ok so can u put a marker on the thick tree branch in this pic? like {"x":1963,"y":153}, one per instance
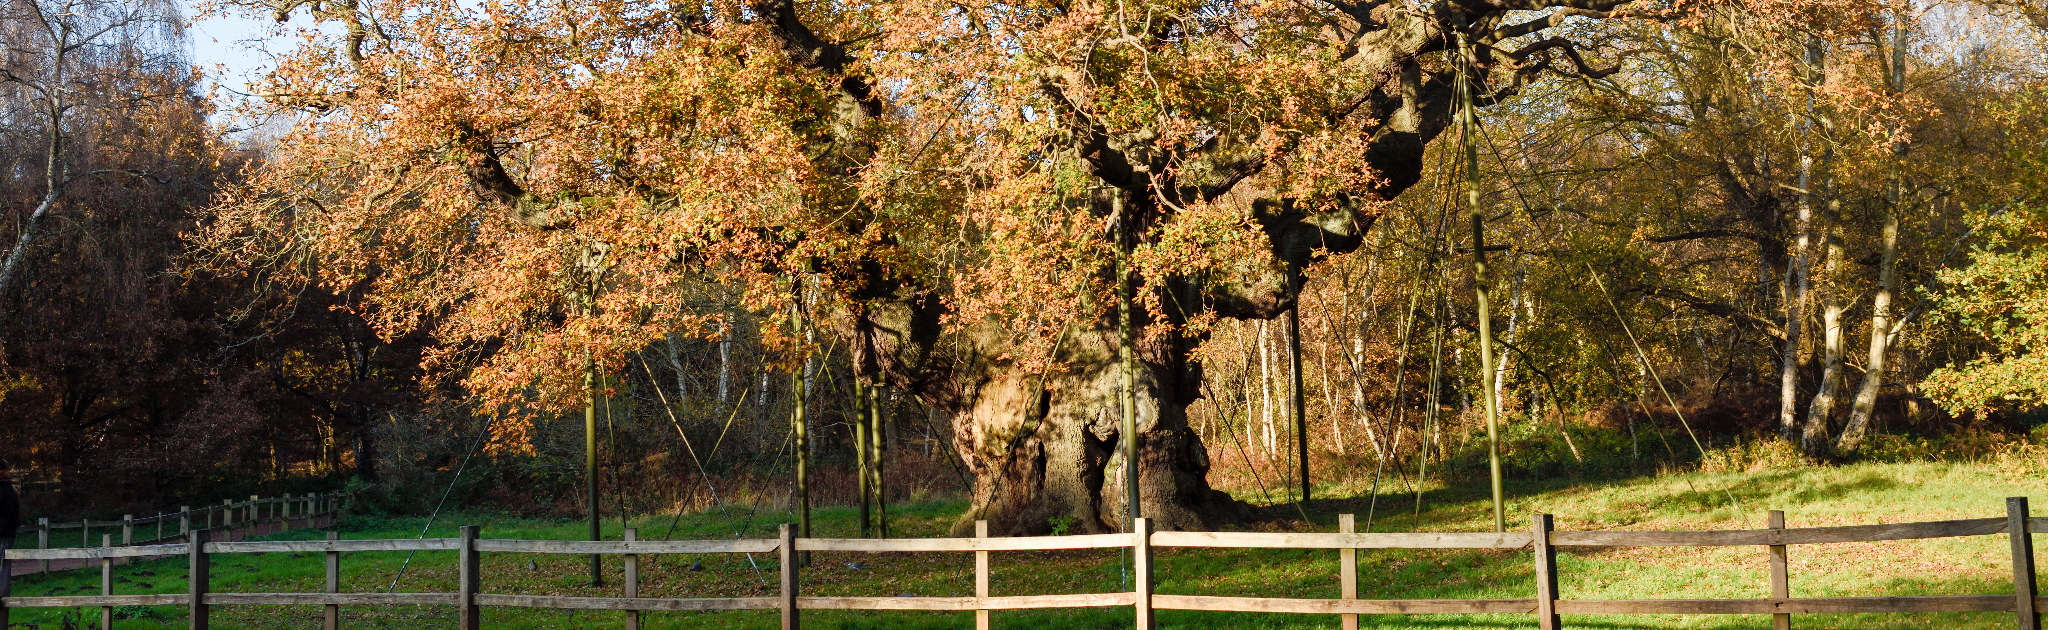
{"x":1718,"y":309}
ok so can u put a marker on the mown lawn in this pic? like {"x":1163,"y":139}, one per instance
{"x":1855,"y":494}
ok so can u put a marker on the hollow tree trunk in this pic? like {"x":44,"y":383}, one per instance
{"x":1047,"y":449}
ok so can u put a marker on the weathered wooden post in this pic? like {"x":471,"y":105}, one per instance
{"x":85,"y":533}
{"x":196,"y":579}
{"x":106,"y":583}
{"x":632,"y":579}
{"x":5,"y":587}
{"x":786,"y":553}
{"x":43,"y":541}
{"x":981,"y":575}
{"x":1141,"y":570}
{"x":1347,"y":569}
{"x":284,"y":503}
{"x":1781,"y":580}
{"x":127,"y":529}
{"x":331,"y":620}
{"x":1546,"y":573}
{"x":2024,"y":589}
{"x":466,"y":597}
{"x":184,"y":520}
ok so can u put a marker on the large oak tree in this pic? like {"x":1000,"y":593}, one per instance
{"x":534,"y":182}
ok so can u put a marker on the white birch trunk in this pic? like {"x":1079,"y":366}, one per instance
{"x":1881,"y":304}
{"x":1815,"y":437}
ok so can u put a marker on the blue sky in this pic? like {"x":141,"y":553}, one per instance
{"x":230,"y":49}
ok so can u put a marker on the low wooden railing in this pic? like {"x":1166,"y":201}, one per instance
{"x":1541,"y":540}
{"x":229,"y":514}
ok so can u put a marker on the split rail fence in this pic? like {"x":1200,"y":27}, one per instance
{"x":160,"y":528}
{"x":1541,"y":540}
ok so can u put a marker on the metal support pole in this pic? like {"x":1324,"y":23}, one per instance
{"x":1468,"y":124}
{"x":590,"y":472}
{"x":1127,"y":357}
{"x":1300,"y":408}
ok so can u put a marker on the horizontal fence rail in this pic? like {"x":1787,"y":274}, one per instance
{"x":150,"y":536}
{"x":1541,"y":541}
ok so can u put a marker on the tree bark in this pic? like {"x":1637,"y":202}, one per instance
{"x":1881,"y":304}
{"x":1046,"y":447}
{"x":1797,"y":293}
{"x":1880,"y":340}
{"x":1798,"y":288}
{"x":56,"y":166}
{"x":1265,"y":390}
{"x":1815,"y":437}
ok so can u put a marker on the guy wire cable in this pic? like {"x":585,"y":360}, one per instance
{"x":484,"y":433}
{"x":705,"y":473}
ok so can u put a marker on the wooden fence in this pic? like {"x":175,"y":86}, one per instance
{"x":1543,"y":543}
{"x":177,"y":525}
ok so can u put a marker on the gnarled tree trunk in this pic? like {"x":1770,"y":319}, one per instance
{"x":1047,"y":448}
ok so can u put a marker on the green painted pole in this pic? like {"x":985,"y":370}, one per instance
{"x":860,"y":453}
{"x":590,"y":470}
{"x":1128,"y":360}
{"x":1468,"y":120}
{"x":875,"y":460}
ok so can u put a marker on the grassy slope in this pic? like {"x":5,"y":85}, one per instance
{"x":1858,"y":494}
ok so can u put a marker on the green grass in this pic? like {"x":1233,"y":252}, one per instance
{"x":1856,"y":494}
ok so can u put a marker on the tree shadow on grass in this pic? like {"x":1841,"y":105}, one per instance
{"x":1463,"y":502}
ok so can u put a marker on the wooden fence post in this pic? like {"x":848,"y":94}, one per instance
{"x":85,"y":533}
{"x":159,"y":527}
{"x":1141,"y":570}
{"x":787,"y":553}
{"x":43,"y":540}
{"x":284,"y":504}
{"x":196,"y":579}
{"x":1347,"y":569}
{"x":331,"y":620}
{"x":5,"y":587}
{"x":981,"y":576}
{"x":2022,"y":564}
{"x":1546,"y":573}
{"x":467,"y":597}
{"x":1781,"y":580}
{"x":632,"y":579}
{"x":184,"y":520}
{"x":107,"y":583}
{"x":127,"y":529}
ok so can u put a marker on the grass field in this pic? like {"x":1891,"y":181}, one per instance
{"x":1854,"y":494}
